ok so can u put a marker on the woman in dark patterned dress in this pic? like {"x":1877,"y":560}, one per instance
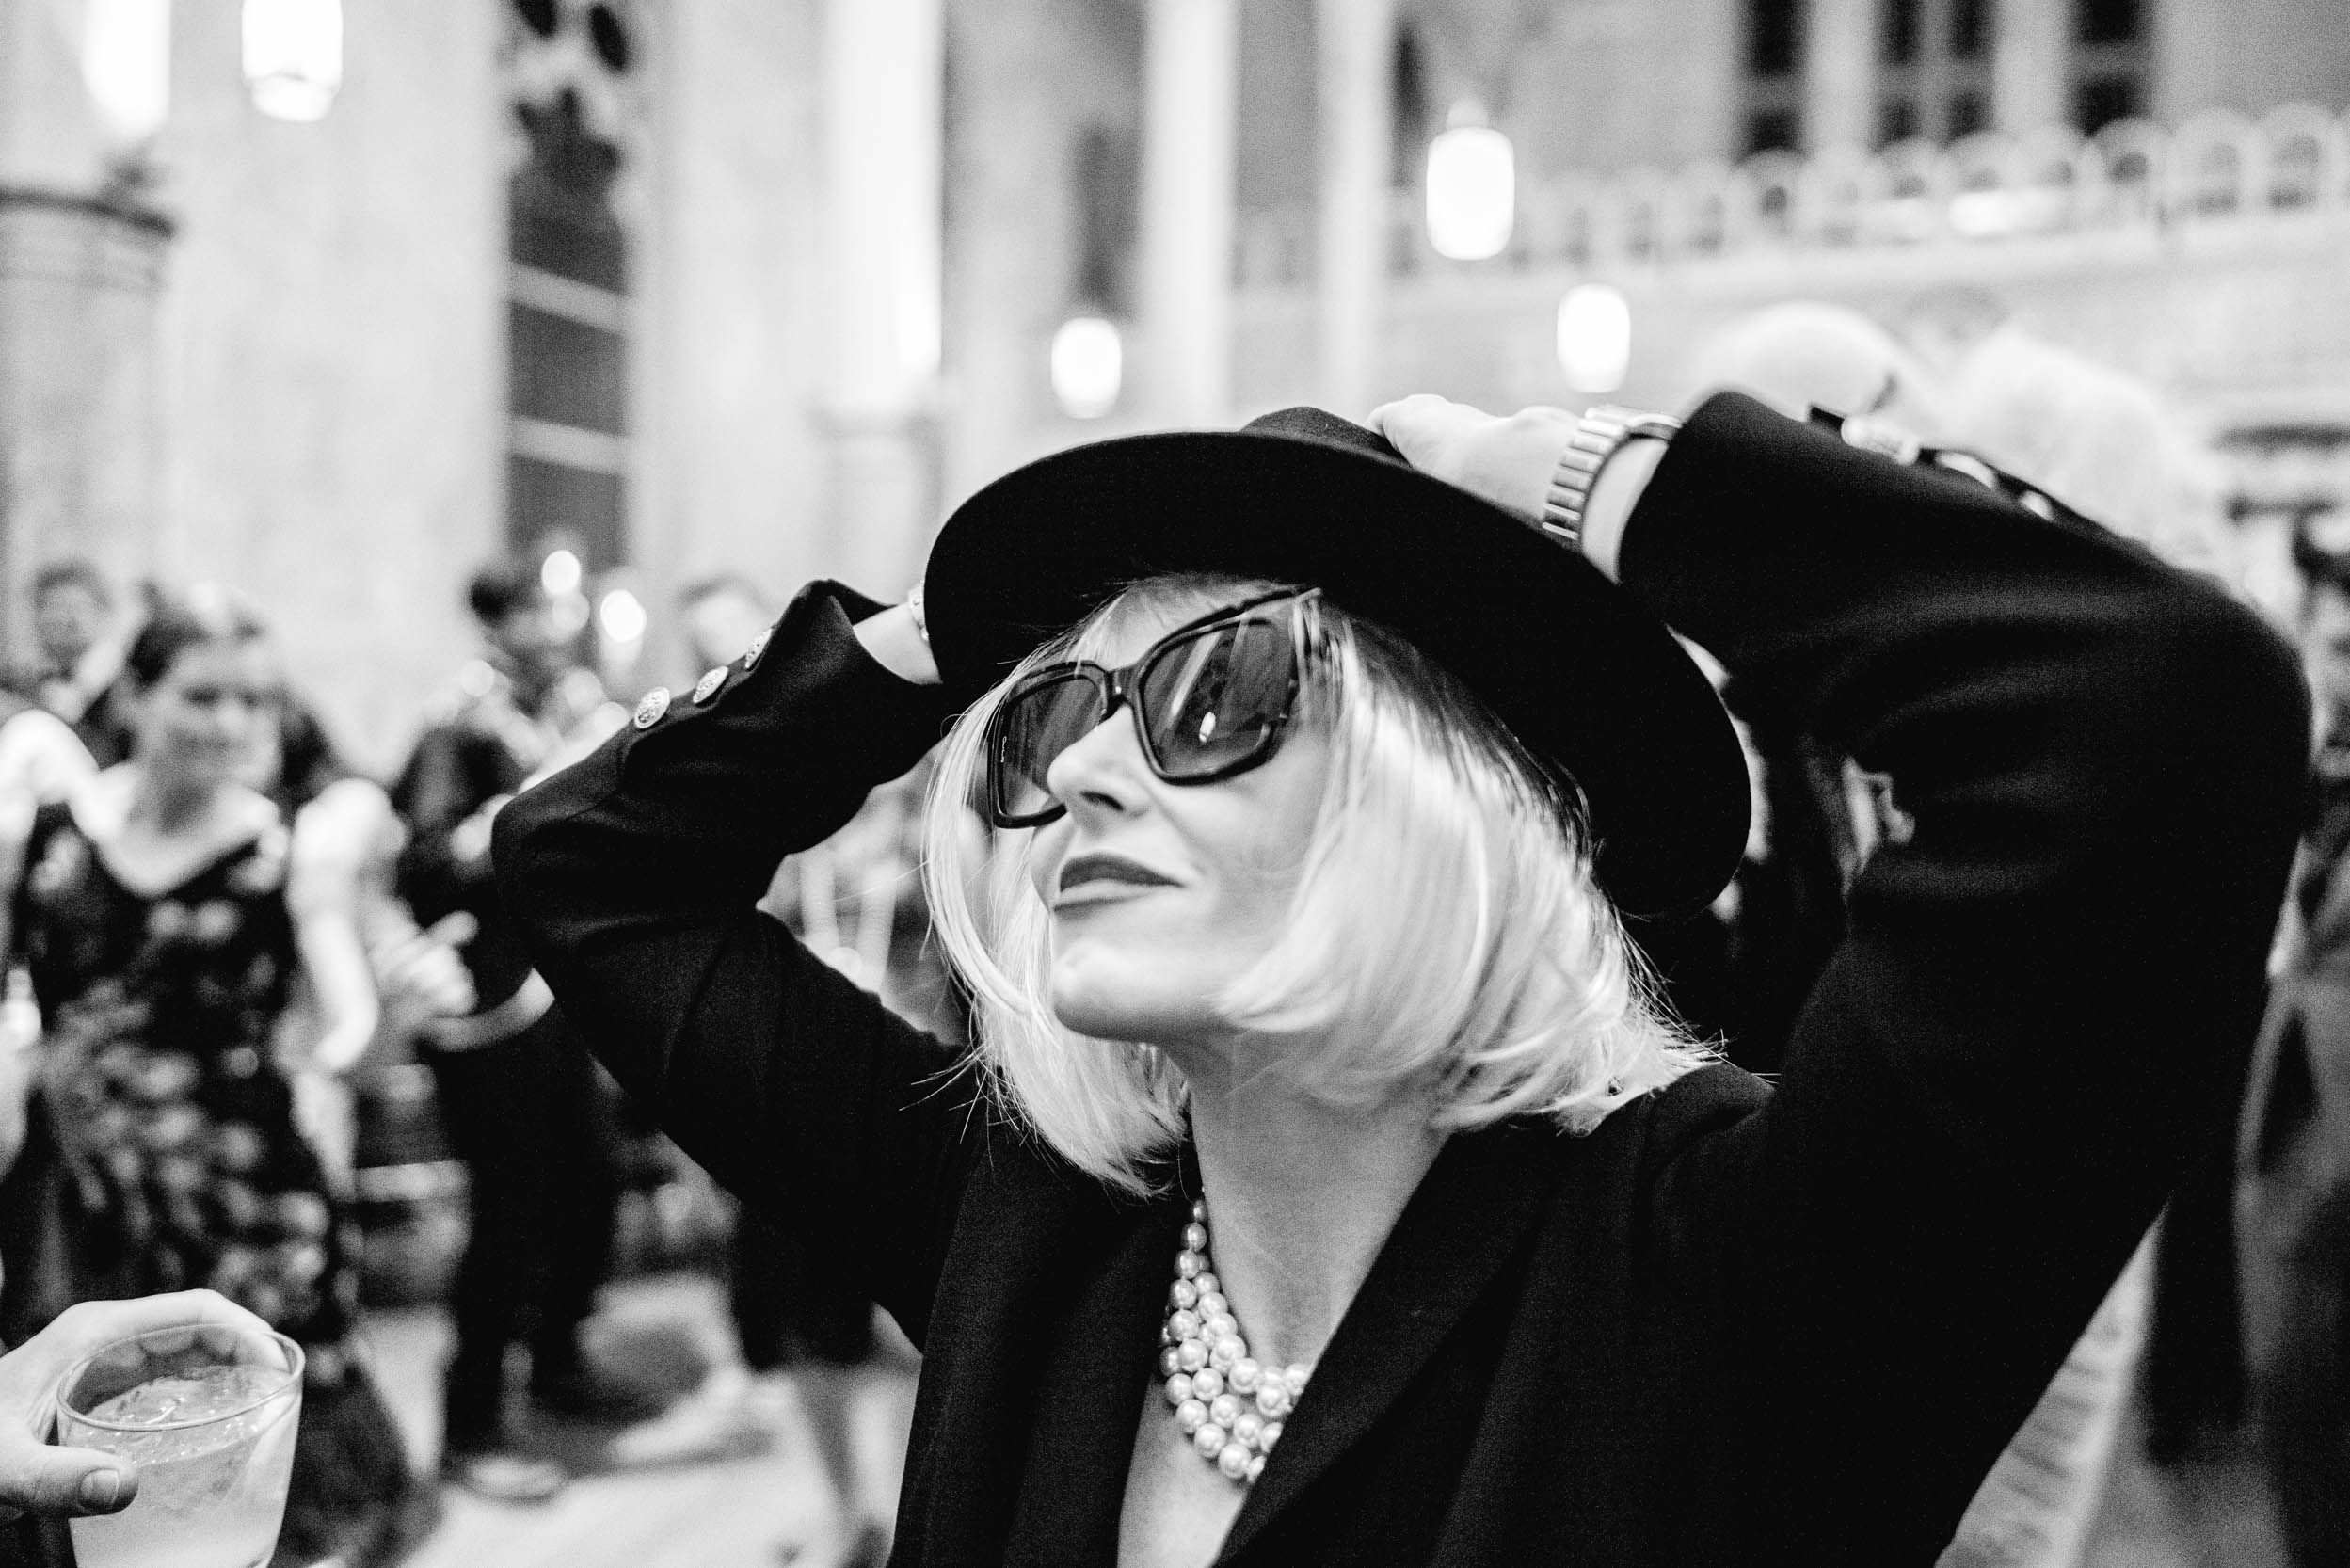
{"x":164,"y":917}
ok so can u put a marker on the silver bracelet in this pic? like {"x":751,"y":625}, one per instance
{"x":914,"y":608}
{"x":1597,"y":436}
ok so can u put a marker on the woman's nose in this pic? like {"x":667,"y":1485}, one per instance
{"x":1103,"y":770}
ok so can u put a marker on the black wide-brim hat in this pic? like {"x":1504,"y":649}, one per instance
{"x":1590,"y":682}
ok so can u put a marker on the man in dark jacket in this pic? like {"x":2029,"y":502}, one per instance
{"x":2292,"y":1196}
{"x":527,"y":1110}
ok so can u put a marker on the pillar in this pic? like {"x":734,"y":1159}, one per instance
{"x":1840,"y":73}
{"x":2030,"y":46}
{"x":1355,"y":39}
{"x":1190,"y":100}
{"x":884,"y":124}
{"x":82,"y":256}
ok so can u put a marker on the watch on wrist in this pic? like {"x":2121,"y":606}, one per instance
{"x":1597,"y":436}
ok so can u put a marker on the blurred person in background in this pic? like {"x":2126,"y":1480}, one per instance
{"x":2085,"y":432}
{"x":2292,"y":1191}
{"x":79,"y":655}
{"x":41,"y":756}
{"x":723,"y":614}
{"x":346,"y":842}
{"x":527,"y":1110}
{"x":167,"y":920}
{"x":1967,"y":389}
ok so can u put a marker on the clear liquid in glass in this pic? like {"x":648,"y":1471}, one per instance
{"x":213,"y":1438}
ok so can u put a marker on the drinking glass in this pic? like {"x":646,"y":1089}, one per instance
{"x":207,"y":1415}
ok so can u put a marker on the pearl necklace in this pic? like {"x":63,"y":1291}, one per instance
{"x":1229,"y":1405}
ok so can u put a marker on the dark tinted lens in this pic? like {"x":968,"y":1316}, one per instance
{"x":1216,"y":699}
{"x":1037,"y":723}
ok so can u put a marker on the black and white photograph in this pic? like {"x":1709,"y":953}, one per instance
{"x":1165,"y":783}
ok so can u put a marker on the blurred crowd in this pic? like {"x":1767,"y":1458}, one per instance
{"x":261,"y":1008}
{"x":266,"y":1032}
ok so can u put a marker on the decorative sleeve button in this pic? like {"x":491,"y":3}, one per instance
{"x":649,"y":711}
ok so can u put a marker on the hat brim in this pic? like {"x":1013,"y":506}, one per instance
{"x":1587,"y":679}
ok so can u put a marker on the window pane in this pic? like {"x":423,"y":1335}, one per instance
{"x":1896,"y":120}
{"x":2108,"y":21}
{"x":564,"y":372}
{"x":1771,"y":131}
{"x":2099,"y":100}
{"x":1771,"y":29}
{"x":546,"y":499}
{"x":1900,"y":31}
{"x":1968,"y":114}
{"x":1970,"y":29}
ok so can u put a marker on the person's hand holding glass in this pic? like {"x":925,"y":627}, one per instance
{"x":174,"y":1419}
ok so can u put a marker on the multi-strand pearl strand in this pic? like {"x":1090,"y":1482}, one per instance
{"x":1229,"y":1405}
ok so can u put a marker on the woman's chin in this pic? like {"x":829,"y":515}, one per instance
{"x":1092,"y":1006}
{"x":1094,"y":1017}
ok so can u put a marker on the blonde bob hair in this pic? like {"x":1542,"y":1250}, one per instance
{"x":1445,"y":929}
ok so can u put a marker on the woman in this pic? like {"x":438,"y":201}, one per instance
{"x":1306,"y":974}
{"x":165,"y":914}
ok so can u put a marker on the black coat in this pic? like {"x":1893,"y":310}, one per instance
{"x":1731,"y":1325}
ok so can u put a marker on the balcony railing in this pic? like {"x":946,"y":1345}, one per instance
{"x":2215,"y":169}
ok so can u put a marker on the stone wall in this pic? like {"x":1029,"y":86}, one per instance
{"x":332,"y":345}
{"x":2248,"y":56}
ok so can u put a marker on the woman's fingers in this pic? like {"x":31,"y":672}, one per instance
{"x":1507,"y":461}
{"x":1426,"y":430}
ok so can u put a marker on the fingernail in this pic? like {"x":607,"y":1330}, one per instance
{"x":99,"y":1488}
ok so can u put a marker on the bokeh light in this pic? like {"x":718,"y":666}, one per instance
{"x":1594,"y":337}
{"x":1472,"y":190}
{"x":620,"y":615}
{"x":1088,"y":367}
{"x":126,"y":65}
{"x":293,"y":57}
{"x":559,"y":573}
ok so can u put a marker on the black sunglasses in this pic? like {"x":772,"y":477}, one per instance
{"x":1210,"y":700}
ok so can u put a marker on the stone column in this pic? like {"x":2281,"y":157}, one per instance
{"x":81,"y":272}
{"x":80,"y":446}
{"x":884,"y":124}
{"x":2030,"y":49}
{"x":1840,"y":73}
{"x":1190,"y":102}
{"x":1356,"y":42}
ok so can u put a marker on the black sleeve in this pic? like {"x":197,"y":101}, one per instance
{"x":2040,"y":990}
{"x":632,"y":878}
{"x":434,"y":794}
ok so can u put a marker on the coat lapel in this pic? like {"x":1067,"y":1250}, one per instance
{"x":1465,"y":1220}
{"x":1090,"y":1391}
